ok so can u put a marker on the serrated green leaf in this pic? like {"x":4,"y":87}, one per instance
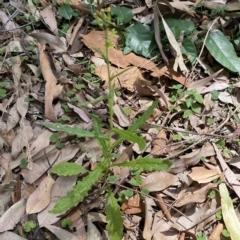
{"x":148,"y":164}
{"x":131,"y":137}
{"x":67,"y":169}
{"x":223,"y":51}
{"x":65,"y":11}
{"x":142,"y":119}
{"x":75,"y":196}
{"x":141,"y":40}
{"x":114,"y":218}
{"x":73,"y":130}
{"x":139,"y":122}
{"x":122,"y":15}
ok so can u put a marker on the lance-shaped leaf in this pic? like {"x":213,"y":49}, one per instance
{"x":79,"y":191}
{"x":229,"y":216}
{"x":67,"y":169}
{"x":129,"y":136}
{"x":73,"y":130}
{"x":148,"y":164}
{"x":114,"y":218}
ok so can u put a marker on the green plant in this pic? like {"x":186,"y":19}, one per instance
{"x":2,"y":90}
{"x":28,"y":226}
{"x":201,"y":236}
{"x":218,"y":214}
{"x":191,"y":102}
{"x":107,"y":145}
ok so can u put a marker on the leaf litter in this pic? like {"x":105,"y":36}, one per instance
{"x":52,"y":69}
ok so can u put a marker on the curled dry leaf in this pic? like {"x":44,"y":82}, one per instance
{"x":203,"y":175}
{"x":40,"y":198}
{"x":55,"y":43}
{"x":122,"y":118}
{"x":194,"y":194}
{"x":133,"y":205}
{"x":158,"y":181}
{"x":52,"y":88}
{"x":159,"y":144}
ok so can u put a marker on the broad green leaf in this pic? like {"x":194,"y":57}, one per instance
{"x":196,"y":108}
{"x":139,"y":122}
{"x":189,"y":50}
{"x":198,"y":98}
{"x":140,"y":40}
{"x":73,"y":130}
{"x":223,"y":51}
{"x":229,"y":216}
{"x":131,"y":137}
{"x":148,"y":164}
{"x":67,"y":169}
{"x":182,"y":25}
{"x":65,"y":11}
{"x":75,"y":196}
{"x":122,"y":15}
{"x":187,"y":113}
{"x":114,"y":218}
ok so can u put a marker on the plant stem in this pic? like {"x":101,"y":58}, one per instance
{"x":110,"y":88}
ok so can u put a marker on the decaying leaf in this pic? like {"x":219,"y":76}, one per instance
{"x":159,"y":143}
{"x":40,"y":198}
{"x":203,"y":175}
{"x":52,"y":88}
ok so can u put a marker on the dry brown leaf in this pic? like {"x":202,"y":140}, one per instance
{"x":96,"y":41}
{"x":78,"y":224}
{"x":216,"y":233}
{"x":12,"y":216}
{"x":122,"y":118}
{"x":158,"y":181}
{"x":194,"y":194}
{"x":59,"y":189}
{"x":126,"y":155}
{"x":52,"y":88}
{"x":133,"y":205}
{"x":40,"y":198}
{"x":55,"y":43}
{"x":229,"y":174}
{"x":159,"y":143}
{"x":147,"y":232}
{"x":49,"y":18}
{"x":203,"y":175}
{"x":125,"y":80}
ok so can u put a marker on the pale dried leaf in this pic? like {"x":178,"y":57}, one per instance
{"x":10,"y":236}
{"x":7,"y":221}
{"x":49,"y":18}
{"x":158,"y":181}
{"x":53,"y":89}
{"x":93,"y":232}
{"x":40,"y":198}
{"x":215,"y":86}
{"x":55,"y":43}
{"x":122,"y":118}
{"x":59,"y":189}
{"x":21,"y":140}
{"x":61,"y":233}
{"x":13,"y":118}
{"x":147,"y":233}
{"x":203,"y":175}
